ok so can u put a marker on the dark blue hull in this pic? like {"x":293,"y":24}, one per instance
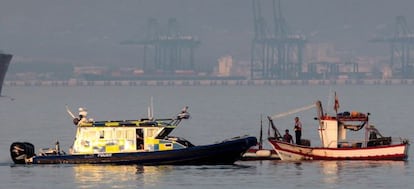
{"x":226,"y":152}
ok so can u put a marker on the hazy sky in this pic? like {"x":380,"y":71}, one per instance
{"x":90,"y":31}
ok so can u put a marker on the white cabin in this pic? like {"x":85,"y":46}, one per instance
{"x":126,"y":136}
{"x":333,"y":129}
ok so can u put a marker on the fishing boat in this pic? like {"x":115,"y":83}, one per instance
{"x":145,"y":142}
{"x":335,"y":145}
{"x":4,"y":65}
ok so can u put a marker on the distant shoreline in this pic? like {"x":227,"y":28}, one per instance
{"x":74,"y":82}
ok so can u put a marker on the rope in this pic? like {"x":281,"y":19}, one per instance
{"x":293,"y":111}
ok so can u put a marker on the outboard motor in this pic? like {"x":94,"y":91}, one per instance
{"x":20,"y":151}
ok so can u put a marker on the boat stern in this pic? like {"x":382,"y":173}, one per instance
{"x":407,"y":148}
{"x":22,"y":152}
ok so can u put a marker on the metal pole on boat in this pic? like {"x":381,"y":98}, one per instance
{"x":367,"y":131}
{"x":261,"y":133}
{"x":152,"y":107}
{"x":151,"y":110}
{"x":57,"y":147}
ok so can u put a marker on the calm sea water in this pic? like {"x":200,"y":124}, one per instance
{"x":37,"y":115}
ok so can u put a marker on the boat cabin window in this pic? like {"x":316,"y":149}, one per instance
{"x":101,"y":134}
{"x":89,"y":134}
{"x":130,"y":135}
{"x":120,"y":134}
{"x":151,"y":132}
{"x":165,"y":132}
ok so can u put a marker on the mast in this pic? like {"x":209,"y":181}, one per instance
{"x":261,"y":134}
{"x":151,"y":110}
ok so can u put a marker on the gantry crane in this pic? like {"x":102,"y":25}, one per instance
{"x":277,"y":54}
{"x":166,"y":50}
{"x":401,"y":43}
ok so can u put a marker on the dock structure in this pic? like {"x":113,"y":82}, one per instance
{"x":401,"y":43}
{"x":332,"y":70}
{"x":277,"y":54}
{"x":137,"y":83}
{"x":166,"y":51}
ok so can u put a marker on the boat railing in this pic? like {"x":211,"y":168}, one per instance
{"x":399,"y":140}
{"x":125,"y":123}
{"x":352,"y":116}
{"x":382,"y":141}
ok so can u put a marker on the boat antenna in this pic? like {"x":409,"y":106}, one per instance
{"x":331,"y":93}
{"x":261,"y":133}
{"x":151,"y":109}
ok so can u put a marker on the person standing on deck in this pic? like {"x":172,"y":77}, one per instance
{"x":298,"y":130}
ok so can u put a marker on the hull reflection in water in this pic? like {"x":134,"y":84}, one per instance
{"x":115,"y":176}
{"x":333,"y":170}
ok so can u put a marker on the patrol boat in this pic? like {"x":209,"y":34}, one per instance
{"x":145,"y":142}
